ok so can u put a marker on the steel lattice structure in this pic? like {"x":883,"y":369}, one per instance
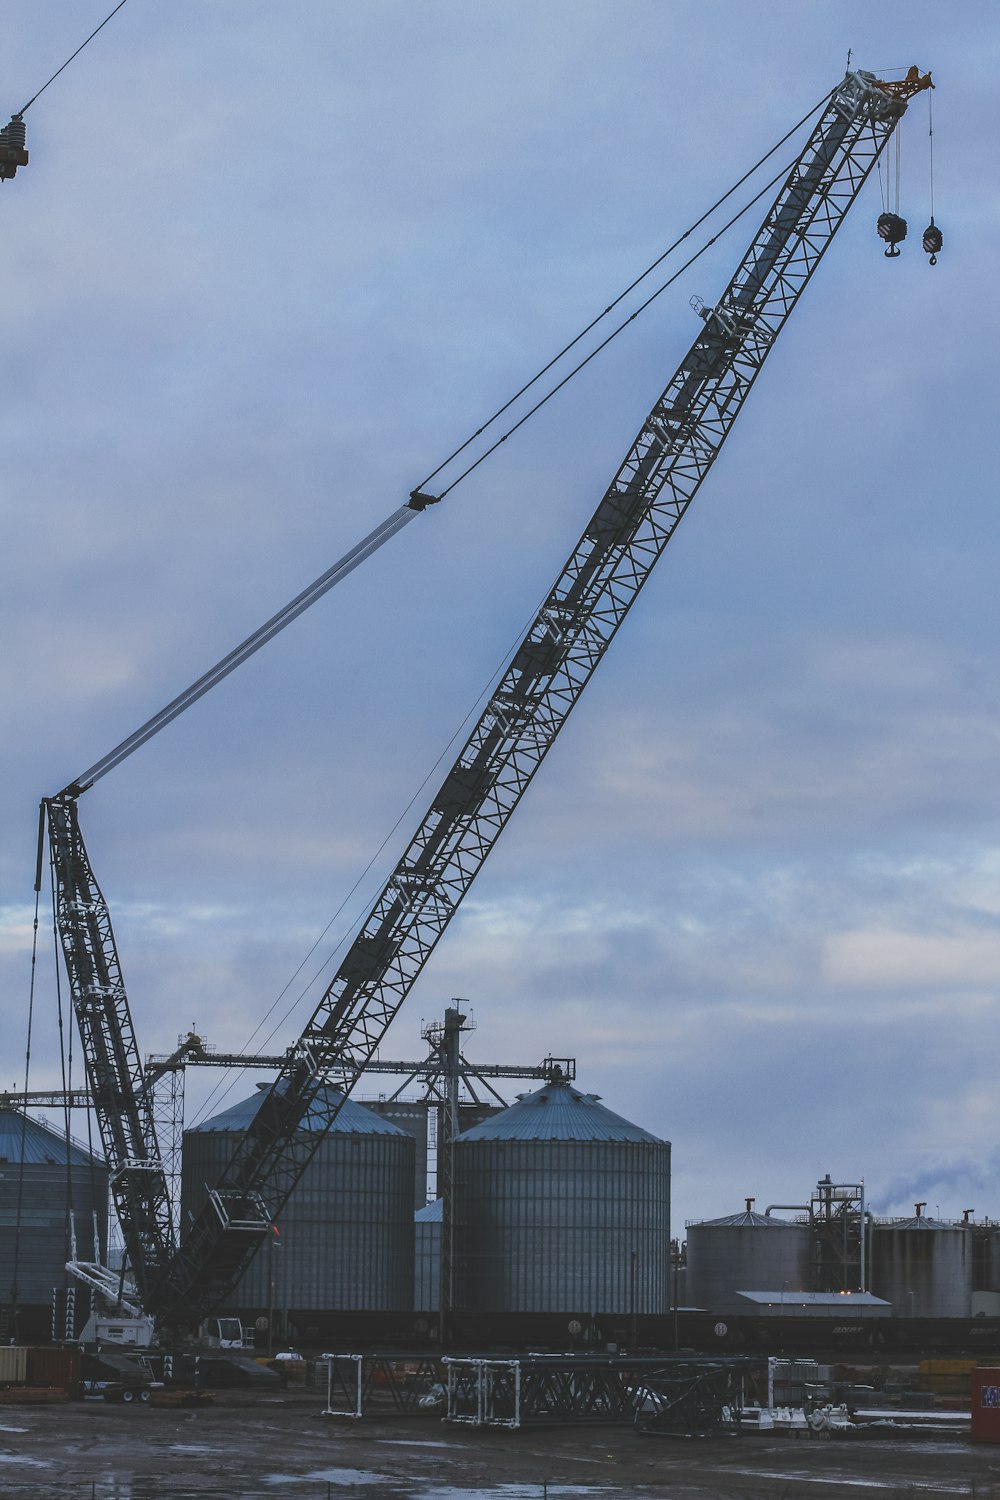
{"x":672,"y":1394}
{"x":639,"y":513}
{"x":118,"y":1088}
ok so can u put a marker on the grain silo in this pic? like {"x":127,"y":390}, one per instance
{"x":745,"y":1252}
{"x":561,"y":1206}
{"x":923,"y":1267}
{"x":345,"y":1236}
{"x":427,"y":1257}
{"x":43,"y":1178}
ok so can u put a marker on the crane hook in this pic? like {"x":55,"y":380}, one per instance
{"x":892,"y":229}
{"x":933,"y":240}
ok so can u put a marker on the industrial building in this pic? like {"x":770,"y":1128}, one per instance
{"x":558,"y":1222}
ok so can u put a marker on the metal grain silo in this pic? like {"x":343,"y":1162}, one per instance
{"x":427,"y":1257}
{"x":561,"y":1206}
{"x":411,"y":1116}
{"x":345,"y":1239}
{"x":43,"y":1179}
{"x":745,"y":1252}
{"x":923,"y":1267}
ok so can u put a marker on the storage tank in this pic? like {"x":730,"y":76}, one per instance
{"x":50,"y":1176}
{"x":923,"y":1267}
{"x":745,"y":1252}
{"x":345,"y":1239}
{"x":561,"y":1206}
{"x":421,"y":1118}
{"x":427,"y":1257}
{"x":411,"y":1116}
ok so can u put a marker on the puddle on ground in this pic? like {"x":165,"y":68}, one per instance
{"x":849,"y":1481}
{"x":409,"y":1489}
{"x":533,"y":1491}
{"x":422,"y":1490}
{"x":340,"y":1477}
{"x":415,"y":1443}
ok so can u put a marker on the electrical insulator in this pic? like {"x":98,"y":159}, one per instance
{"x":933,"y":240}
{"x":892,"y":229}
{"x":12,"y":148}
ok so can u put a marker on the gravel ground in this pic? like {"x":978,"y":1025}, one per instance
{"x":271,"y":1446}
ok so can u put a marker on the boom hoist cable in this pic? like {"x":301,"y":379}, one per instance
{"x":420,"y":499}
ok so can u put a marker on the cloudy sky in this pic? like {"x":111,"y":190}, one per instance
{"x":268,"y":264}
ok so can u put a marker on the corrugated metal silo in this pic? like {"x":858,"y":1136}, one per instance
{"x":561,"y":1206}
{"x":427,"y":1257}
{"x":346,"y":1233}
{"x":411,"y":1116}
{"x":746,"y":1252}
{"x":50,"y":1177}
{"x":421,"y":1118}
{"x":923,"y":1267}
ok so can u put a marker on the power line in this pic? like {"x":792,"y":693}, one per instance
{"x":70,"y":58}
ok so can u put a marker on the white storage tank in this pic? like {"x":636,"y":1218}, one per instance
{"x":745,"y":1252}
{"x":923,"y":1267}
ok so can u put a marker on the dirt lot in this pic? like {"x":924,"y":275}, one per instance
{"x":280,"y":1446}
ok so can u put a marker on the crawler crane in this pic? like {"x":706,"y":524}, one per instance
{"x":672,"y":453}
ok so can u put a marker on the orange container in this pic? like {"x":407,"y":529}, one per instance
{"x":986,"y":1404}
{"x":55,"y":1365}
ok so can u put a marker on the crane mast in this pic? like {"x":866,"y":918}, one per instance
{"x":121,"y":1098}
{"x":639,"y":513}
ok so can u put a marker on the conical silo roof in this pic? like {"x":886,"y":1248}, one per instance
{"x":919,"y":1221}
{"x":745,"y":1220}
{"x":432,"y":1213}
{"x":352,"y":1119}
{"x":25,"y":1140}
{"x":558,"y":1112}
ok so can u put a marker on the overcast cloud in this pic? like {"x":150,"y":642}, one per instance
{"x":267,"y":265}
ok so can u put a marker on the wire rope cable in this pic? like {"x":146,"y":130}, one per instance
{"x":241,"y":653}
{"x":621,"y":297}
{"x":394,"y":523}
{"x":214,"y":1097}
{"x":898,"y":138}
{"x":71,"y":57}
{"x":19,"y":1208}
{"x":65,"y":1051}
{"x":615,"y":332}
{"x":404,"y":514}
{"x":930,"y":146}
